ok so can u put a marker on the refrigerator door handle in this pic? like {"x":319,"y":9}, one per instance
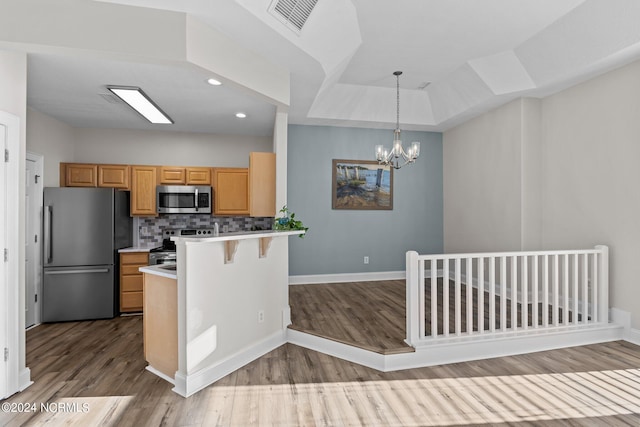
{"x":47,"y":234}
{"x":83,"y":271}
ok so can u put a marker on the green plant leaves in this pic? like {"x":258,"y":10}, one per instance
{"x":288,"y":222}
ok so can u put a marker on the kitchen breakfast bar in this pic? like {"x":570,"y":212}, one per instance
{"x":222,"y":305}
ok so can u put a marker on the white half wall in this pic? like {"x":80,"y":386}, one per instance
{"x":228,"y":311}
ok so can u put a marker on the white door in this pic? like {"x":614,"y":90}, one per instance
{"x":33,"y":227}
{"x":4,"y":282}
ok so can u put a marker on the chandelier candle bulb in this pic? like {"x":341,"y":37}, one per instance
{"x":397,"y":148}
{"x":379,"y":151}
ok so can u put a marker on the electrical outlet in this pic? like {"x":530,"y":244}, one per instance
{"x":261,"y":316}
{"x":225,"y":228}
{"x":366,"y":260}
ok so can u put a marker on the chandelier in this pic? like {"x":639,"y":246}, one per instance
{"x":397,"y":157}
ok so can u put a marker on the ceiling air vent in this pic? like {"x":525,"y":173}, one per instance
{"x":292,"y":13}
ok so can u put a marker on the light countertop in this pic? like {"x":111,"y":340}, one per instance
{"x":241,"y":235}
{"x":137,"y":249}
{"x":159,"y":271}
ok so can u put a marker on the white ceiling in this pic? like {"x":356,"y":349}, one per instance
{"x":475,"y":55}
{"x":73,"y":90}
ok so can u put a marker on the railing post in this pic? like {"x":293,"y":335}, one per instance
{"x":603,"y":284}
{"x":413,"y":296}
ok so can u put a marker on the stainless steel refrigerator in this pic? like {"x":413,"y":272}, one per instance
{"x":83,"y":230}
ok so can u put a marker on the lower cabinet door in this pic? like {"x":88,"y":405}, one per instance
{"x":131,"y":301}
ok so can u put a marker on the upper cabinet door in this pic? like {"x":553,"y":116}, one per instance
{"x":262,"y":184}
{"x":231,"y":191}
{"x":173,"y":175}
{"x":113,"y":176}
{"x":198,"y":176}
{"x":143,"y":190}
{"x":78,"y":175}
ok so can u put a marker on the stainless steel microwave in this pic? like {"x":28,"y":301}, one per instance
{"x":184,"y":199}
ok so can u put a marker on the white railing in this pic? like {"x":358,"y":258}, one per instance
{"x":502,"y":293}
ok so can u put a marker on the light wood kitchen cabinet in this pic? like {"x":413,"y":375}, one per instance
{"x":231,"y":191}
{"x":198,"y":176}
{"x":113,"y":176}
{"x":262,"y":184}
{"x":143,"y":190}
{"x":78,"y":175}
{"x":160,"y":323}
{"x":177,"y":175}
{"x":173,"y":175}
{"x":131,"y":289}
{"x":241,"y":191}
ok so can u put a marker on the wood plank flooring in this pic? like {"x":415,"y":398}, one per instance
{"x":372,"y":315}
{"x":100,"y":364}
{"x":369,"y":315}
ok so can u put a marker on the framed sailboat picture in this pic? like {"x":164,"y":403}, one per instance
{"x":362,"y":184}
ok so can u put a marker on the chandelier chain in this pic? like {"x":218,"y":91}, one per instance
{"x":397,"y":101}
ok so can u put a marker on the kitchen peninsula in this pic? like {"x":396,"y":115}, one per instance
{"x":225,"y":305}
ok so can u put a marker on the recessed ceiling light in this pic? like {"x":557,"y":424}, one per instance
{"x":139,"y":101}
{"x":214,"y":82}
{"x":241,"y":115}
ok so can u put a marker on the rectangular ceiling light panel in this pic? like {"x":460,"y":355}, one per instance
{"x":292,"y":13}
{"x":139,"y":101}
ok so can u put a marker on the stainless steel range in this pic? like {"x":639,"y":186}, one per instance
{"x":166,"y":253}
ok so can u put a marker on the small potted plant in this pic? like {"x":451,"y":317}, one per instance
{"x":287,"y":221}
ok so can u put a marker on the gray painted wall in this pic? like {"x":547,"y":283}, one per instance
{"x":338,"y":240}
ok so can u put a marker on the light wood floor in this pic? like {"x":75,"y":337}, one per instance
{"x":100,"y":364}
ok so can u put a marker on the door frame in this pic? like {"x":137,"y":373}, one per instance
{"x":38,"y":159}
{"x":12,"y":287}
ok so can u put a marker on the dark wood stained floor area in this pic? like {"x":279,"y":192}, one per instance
{"x":372,"y":315}
{"x":369,"y":315}
{"x":100,"y":364}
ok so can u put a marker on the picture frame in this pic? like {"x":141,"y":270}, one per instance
{"x":361,"y":185}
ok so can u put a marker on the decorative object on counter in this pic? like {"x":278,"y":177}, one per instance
{"x":392,"y":158}
{"x":288,"y":222}
{"x":362,"y":185}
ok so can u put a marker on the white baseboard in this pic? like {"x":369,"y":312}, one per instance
{"x":489,"y":348}
{"x":160,"y":374}
{"x":186,"y":385}
{"x":461,"y":351}
{"x":24,"y":379}
{"x":346,"y":277}
{"x":346,"y":352}
{"x":632,"y":336}
{"x":623,"y":318}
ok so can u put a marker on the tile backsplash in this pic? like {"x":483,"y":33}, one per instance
{"x":150,"y":229}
